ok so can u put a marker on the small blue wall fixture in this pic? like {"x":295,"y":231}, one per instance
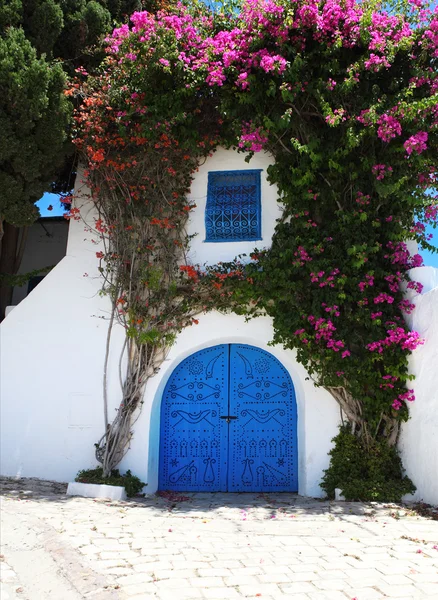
{"x":229,"y":423}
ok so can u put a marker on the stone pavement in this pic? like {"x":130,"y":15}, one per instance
{"x":211,"y":546}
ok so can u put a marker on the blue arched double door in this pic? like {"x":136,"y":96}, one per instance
{"x":229,"y":423}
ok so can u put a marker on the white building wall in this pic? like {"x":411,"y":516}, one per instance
{"x":212,"y":253}
{"x":53,"y":346}
{"x":419,"y":437}
{"x":52,"y":353}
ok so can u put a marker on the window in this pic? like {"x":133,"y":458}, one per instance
{"x":233,"y":210}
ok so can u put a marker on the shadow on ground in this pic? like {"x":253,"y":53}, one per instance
{"x":217,"y":505}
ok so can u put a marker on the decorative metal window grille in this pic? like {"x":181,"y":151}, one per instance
{"x":233,"y":210}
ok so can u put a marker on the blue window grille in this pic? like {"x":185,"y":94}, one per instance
{"x":233,"y":210}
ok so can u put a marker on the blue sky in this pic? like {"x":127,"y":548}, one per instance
{"x":47,"y":200}
{"x":50,"y":200}
{"x":430,"y":259}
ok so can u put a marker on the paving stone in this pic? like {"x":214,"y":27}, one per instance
{"x":202,"y":548}
{"x":273,"y":569}
{"x":394,"y":567}
{"x":7,"y":575}
{"x":187,"y":594}
{"x":119,"y":571}
{"x":221,"y":593}
{"x":427,"y":568}
{"x":178,"y":565}
{"x":332,"y":584}
{"x":399,"y":579}
{"x":285,"y":559}
{"x":399,"y":591}
{"x":205,"y":582}
{"x":264,"y":598}
{"x":327,"y":596}
{"x":243,"y":571}
{"x":306,"y":576}
{"x":213,"y":572}
{"x":276,"y":578}
{"x":366,"y":593}
{"x":151,"y":567}
{"x":108,"y":545}
{"x":90,"y":549}
{"x":261,"y":588}
{"x":124,"y":554}
{"x":371,"y":574}
{"x":170,"y":573}
{"x":254,"y":562}
{"x":175,"y":584}
{"x":298,"y":587}
{"x":429,"y":589}
{"x":140,"y":589}
{"x":334,"y":574}
{"x":134,"y":579}
{"x":422,"y":578}
{"x":241,"y":580}
{"x":108,"y":564}
{"x":305,"y":568}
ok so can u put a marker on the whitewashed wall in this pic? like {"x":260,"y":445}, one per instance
{"x":419,"y":437}
{"x":52,"y":356}
{"x":212,"y":253}
{"x":53,"y":350}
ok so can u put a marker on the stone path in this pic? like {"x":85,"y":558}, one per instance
{"x":211,"y":546}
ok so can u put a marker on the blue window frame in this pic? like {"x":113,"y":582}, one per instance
{"x":233,"y":211}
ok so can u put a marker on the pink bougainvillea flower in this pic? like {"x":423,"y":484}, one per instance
{"x":416,"y":143}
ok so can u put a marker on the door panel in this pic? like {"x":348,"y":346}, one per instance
{"x":194,"y":440}
{"x":262,"y":440}
{"x":255,"y":449}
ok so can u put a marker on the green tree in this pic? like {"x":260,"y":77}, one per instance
{"x":42,"y":42}
{"x":34,"y":115}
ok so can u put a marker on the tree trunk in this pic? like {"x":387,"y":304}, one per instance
{"x":11,"y":253}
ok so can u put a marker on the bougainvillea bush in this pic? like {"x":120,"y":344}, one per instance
{"x":344,"y":96}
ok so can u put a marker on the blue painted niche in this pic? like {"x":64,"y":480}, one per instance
{"x":229,"y":423}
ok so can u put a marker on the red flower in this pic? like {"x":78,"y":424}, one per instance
{"x":191,"y":272}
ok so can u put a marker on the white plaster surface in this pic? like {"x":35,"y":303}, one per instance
{"x":8,"y":310}
{"x":419,"y":437}
{"x":203,"y":252}
{"x":52,"y":353}
{"x":427,"y":276}
{"x":51,"y":361}
{"x":94,"y":490}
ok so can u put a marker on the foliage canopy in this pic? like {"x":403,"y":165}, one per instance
{"x":34,"y":114}
{"x":41,"y":42}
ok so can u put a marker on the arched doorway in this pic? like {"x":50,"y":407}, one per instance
{"x":229,"y":423}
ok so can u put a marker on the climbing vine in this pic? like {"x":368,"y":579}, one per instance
{"x":343,"y":95}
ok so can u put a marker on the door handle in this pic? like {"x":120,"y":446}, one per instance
{"x":228,"y":418}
